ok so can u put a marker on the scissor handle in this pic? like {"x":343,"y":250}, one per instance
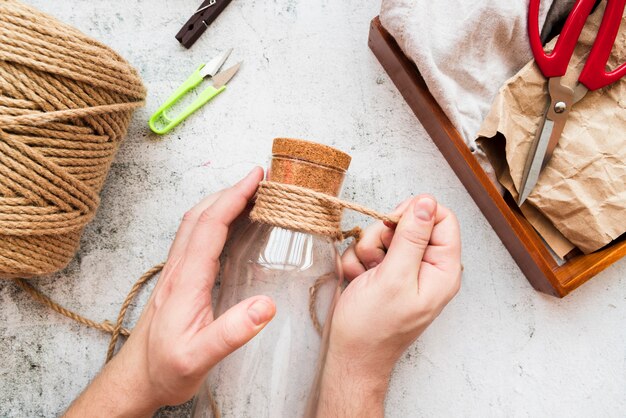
{"x":160,"y":123}
{"x":594,"y":75}
{"x":555,"y":63}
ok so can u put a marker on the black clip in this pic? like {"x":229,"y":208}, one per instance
{"x":208,"y":11}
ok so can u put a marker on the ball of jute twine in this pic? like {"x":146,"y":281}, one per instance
{"x":65,"y":104}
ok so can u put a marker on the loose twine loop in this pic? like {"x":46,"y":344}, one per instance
{"x":116,"y":329}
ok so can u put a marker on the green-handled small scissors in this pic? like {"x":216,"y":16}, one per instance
{"x":160,"y":123}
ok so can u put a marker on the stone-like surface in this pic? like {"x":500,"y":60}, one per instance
{"x":499,"y":349}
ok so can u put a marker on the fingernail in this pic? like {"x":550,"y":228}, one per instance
{"x":260,"y":312}
{"x":424,"y":208}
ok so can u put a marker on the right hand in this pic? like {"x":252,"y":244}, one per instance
{"x":400,"y":281}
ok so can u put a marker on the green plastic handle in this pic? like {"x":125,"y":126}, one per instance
{"x":160,"y":123}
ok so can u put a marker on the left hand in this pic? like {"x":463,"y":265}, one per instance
{"x":177,"y":340}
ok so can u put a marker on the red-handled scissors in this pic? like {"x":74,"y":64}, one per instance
{"x":554,"y":65}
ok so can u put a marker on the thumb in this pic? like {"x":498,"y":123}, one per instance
{"x":410,"y":239}
{"x":234,"y":328}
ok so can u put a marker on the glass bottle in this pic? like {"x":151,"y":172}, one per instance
{"x":276,"y":373}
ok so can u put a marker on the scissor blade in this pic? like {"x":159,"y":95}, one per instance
{"x":224,"y":77}
{"x":212,"y":67}
{"x":534,"y":161}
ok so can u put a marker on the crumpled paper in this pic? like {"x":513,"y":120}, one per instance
{"x":580,"y":196}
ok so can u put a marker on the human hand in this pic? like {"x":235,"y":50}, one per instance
{"x":400,"y":281}
{"x":177,"y":340}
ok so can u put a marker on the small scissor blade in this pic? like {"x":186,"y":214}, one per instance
{"x":212,"y":67}
{"x":224,"y":77}
{"x":534,"y":161}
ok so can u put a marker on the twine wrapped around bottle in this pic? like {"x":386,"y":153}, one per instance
{"x":65,"y":104}
{"x":305,"y":210}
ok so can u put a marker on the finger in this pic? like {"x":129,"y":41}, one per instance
{"x":375,"y":240}
{"x":193,"y":282}
{"x":165,"y":283}
{"x":440,"y":273}
{"x":174,"y":256}
{"x":387,"y":235}
{"x":439,"y":286}
{"x":444,"y":249}
{"x":352,"y":267}
{"x":410,"y":239}
{"x":209,"y":234}
{"x":370,"y":249}
{"x":232,"y":329}
{"x":446,"y":222}
{"x":211,"y":229}
{"x":186,"y":226}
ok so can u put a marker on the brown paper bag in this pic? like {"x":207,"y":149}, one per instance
{"x":582,"y":190}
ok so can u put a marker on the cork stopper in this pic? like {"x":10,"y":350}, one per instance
{"x":308,"y":164}
{"x":311,"y":152}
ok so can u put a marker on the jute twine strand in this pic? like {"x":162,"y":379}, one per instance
{"x":313,"y":292}
{"x":129,"y":298}
{"x":65,"y":104}
{"x":116,"y":329}
{"x":105,"y":326}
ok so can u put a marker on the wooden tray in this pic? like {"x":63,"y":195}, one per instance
{"x":518,"y":236}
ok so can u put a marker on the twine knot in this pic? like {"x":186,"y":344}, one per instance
{"x":306,"y":210}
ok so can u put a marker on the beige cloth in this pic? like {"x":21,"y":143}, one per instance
{"x":582,"y":191}
{"x":464,"y":50}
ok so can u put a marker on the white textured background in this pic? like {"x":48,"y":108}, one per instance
{"x":499,"y":349}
